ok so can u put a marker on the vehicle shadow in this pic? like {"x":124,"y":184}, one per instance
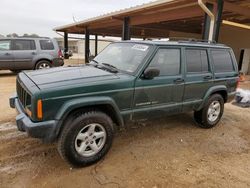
{"x":7,"y":74}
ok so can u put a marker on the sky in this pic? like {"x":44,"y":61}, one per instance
{"x":41,"y":16}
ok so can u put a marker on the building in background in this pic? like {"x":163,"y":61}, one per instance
{"x":78,"y":48}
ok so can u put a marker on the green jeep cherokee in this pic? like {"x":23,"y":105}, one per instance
{"x":128,"y":81}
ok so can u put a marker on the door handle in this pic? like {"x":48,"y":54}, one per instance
{"x":7,"y":53}
{"x":33,"y":53}
{"x":207,"y":77}
{"x":178,"y":81}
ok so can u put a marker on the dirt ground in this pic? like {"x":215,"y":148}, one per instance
{"x":171,"y":152}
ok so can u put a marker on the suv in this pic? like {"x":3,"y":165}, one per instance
{"x":29,"y":53}
{"x":128,"y":81}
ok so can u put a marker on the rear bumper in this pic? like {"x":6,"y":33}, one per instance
{"x":57,"y":62}
{"x":45,"y":130}
{"x":231,"y":96}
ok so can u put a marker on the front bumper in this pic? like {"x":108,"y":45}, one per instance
{"x":45,"y":130}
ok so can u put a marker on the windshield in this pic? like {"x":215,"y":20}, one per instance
{"x":123,"y":56}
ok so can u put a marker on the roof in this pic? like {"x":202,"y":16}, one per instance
{"x":27,"y":38}
{"x":156,"y":19}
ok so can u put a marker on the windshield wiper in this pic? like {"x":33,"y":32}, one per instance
{"x":112,"y":68}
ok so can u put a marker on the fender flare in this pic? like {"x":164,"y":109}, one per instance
{"x":73,"y":104}
{"x":210,"y":91}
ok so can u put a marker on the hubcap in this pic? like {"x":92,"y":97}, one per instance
{"x":213,"y":111}
{"x":90,"y":140}
{"x":44,"y":66}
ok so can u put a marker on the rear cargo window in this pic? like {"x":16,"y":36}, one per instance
{"x":24,"y":45}
{"x":46,"y":45}
{"x":222,"y":61}
{"x":197,"y":61}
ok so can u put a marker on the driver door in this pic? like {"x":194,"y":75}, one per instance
{"x":163,"y":94}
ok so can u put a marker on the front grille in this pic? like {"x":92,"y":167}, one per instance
{"x":23,"y":95}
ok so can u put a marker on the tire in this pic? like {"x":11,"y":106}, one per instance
{"x":79,"y":142}
{"x":210,"y":115}
{"x":43,"y":64}
{"x":15,"y":71}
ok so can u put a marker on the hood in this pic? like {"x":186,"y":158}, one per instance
{"x":62,"y":76}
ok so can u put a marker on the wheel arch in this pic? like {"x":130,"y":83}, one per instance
{"x":76,"y":106}
{"x":221,"y":90}
{"x":42,"y":59}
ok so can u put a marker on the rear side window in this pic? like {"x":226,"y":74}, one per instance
{"x":24,"y":45}
{"x":167,"y":61}
{"x":197,"y":61}
{"x":4,"y":45}
{"x":222,"y":61}
{"x":46,"y":45}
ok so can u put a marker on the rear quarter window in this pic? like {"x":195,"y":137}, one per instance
{"x":46,"y":45}
{"x":222,"y":61}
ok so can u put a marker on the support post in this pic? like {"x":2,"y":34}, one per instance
{"x":126,"y":29}
{"x":96,"y":45}
{"x":87,"y":50}
{"x":207,"y":20}
{"x":220,"y":5}
{"x":66,"y":46}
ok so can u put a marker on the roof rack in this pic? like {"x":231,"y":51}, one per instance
{"x":187,"y":40}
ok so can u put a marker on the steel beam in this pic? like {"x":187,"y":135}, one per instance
{"x":96,"y":45}
{"x":87,"y":50}
{"x":66,"y":46}
{"x":207,"y":20}
{"x":220,"y":4}
{"x":126,"y":29}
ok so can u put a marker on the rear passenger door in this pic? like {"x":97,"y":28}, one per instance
{"x":6,"y":55}
{"x":163,"y":94}
{"x":24,"y":52}
{"x":199,"y":77}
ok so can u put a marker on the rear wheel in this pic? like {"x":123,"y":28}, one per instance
{"x":86,"y":138}
{"x":43,"y":64}
{"x":212,"y":112}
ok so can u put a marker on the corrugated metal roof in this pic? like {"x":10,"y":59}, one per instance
{"x":119,"y":13}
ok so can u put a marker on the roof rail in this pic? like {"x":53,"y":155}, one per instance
{"x":183,"y":39}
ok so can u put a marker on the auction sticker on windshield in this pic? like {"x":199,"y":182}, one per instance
{"x":140,"y":47}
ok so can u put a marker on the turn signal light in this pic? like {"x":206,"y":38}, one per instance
{"x":39,"y":109}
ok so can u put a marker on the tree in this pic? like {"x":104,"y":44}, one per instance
{"x":12,"y":35}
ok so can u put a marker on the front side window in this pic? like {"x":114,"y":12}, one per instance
{"x":4,"y":45}
{"x":124,"y":56}
{"x":197,"y":61}
{"x":46,"y":45}
{"x":24,"y":45}
{"x":167,"y":61}
{"x":222,"y":61}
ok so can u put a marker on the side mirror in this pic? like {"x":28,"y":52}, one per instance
{"x":150,"y":73}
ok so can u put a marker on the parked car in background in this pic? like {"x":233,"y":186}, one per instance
{"x":18,"y":54}
{"x":128,"y":81}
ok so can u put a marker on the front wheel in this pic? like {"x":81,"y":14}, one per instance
{"x":212,"y":112}
{"x":86,"y":138}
